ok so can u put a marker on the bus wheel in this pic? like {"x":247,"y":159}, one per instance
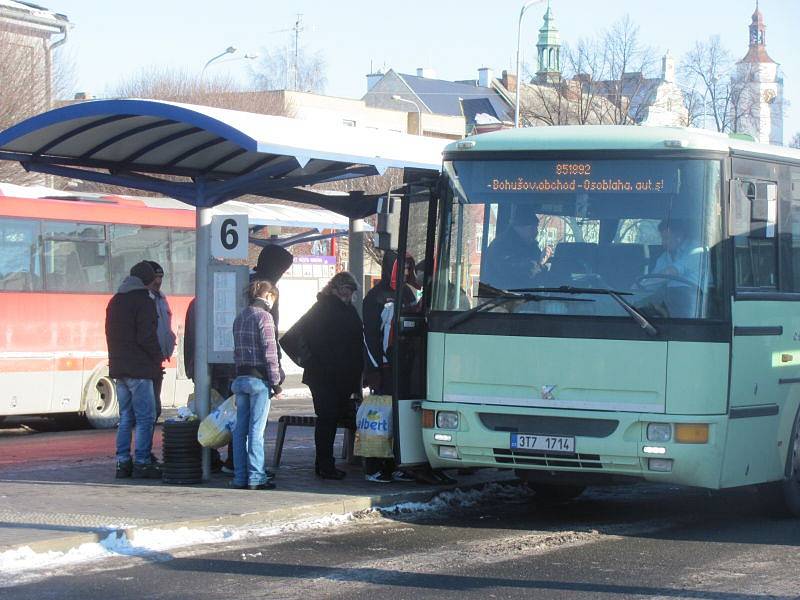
{"x":100,"y":401}
{"x":782,"y":498}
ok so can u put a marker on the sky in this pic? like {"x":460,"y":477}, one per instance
{"x":113,"y":40}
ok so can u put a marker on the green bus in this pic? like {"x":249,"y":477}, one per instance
{"x":610,"y":304}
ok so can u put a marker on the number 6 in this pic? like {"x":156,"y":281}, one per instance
{"x":229,"y":237}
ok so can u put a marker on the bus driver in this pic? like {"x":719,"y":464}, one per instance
{"x":680,"y":257}
{"x":514,"y":258}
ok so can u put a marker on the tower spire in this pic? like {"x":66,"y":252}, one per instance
{"x":548,"y":49}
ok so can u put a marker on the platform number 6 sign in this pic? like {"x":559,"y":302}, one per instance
{"x":229,"y":237}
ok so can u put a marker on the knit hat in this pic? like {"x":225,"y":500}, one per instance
{"x":159,"y":271}
{"x":144,"y":271}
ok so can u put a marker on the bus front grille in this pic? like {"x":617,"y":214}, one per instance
{"x":545,"y":459}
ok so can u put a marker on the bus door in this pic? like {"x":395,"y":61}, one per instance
{"x":765,"y":359}
{"x":409,"y":349}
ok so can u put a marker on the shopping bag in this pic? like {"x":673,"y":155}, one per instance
{"x":215,"y":399}
{"x":215,"y":430}
{"x":374,"y":428}
{"x":294,"y":344}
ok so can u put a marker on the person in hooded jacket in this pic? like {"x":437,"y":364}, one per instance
{"x":134,"y":361}
{"x":166,"y":337}
{"x":334,"y":335}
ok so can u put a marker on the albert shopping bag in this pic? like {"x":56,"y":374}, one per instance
{"x":215,"y":430}
{"x":374,"y":428}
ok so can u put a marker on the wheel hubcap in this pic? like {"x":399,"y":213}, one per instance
{"x":103,"y":396}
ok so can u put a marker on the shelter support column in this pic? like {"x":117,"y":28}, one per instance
{"x":202,"y":379}
{"x":355,"y":260}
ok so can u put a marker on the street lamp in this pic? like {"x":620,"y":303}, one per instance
{"x":419,"y":112}
{"x":525,"y":7}
{"x":228,"y":50}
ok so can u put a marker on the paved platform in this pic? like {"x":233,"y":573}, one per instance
{"x":60,"y":504}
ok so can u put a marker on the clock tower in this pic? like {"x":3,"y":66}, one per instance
{"x":758,"y":99}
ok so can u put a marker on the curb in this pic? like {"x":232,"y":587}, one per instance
{"x":267,"y":518}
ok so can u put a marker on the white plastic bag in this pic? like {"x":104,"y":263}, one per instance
{"x":374,"y":427}
{"x":215,"y":399}
{"x":215,"y":430}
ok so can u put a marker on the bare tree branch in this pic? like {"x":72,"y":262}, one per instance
{"x":280,"y":68}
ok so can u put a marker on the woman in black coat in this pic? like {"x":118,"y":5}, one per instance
{"x":334,"y":336}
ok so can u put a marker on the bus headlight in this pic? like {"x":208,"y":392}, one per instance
{"x":691,"y":433}
{"x":659,"y":432}
{"x":446,"y":419}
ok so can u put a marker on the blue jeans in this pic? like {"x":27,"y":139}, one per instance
{"x":137,"y":411}
{"x":252,"y":409}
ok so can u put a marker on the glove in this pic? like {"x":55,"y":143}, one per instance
{"x":276,"y":390}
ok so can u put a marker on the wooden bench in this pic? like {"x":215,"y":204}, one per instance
{"x":309,"y":421}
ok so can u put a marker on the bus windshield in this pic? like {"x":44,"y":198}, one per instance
{"x":647,"y":229}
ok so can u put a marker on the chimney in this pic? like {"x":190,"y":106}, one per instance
{"x":372,"y":79}
{"x":485,"y":77}
{"x":426,"y":72}
{"x":509,"y":81}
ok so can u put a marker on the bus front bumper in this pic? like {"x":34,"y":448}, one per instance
{"x":607,"y":445}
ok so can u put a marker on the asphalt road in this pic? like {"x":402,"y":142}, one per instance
{"x":627,"y":542}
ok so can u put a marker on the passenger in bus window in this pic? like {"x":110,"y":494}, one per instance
{"x":166,"y":337}
{"x":514,"y":258}
{"x":134,"y":359}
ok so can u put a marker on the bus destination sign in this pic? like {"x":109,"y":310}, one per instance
{"x":581,"y":176}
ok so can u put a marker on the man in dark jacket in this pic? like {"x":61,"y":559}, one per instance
{"x":377,"y":371}
{"x":134,"y":360}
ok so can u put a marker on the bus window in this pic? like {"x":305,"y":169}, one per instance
{"x":753,"y":220}
{"x":181,"y":261}
{"x":648,"y":228}
{"x":75,"y":257}
{"x":20,"y":256}
{"x":131,"y":244}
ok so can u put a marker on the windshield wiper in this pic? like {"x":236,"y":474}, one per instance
{"x":499,"y":297}
{"x":618,"y":296}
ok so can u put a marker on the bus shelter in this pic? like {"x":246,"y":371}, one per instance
{"x":206,"y":156}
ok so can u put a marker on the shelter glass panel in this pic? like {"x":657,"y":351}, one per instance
{"x":182,"y":263}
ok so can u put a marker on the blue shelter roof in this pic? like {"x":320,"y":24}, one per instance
{"x":226,"y":153}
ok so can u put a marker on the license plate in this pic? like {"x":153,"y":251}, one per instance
{"x":543,"y":443}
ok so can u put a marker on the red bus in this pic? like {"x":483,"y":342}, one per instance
{"x":61,"y":259}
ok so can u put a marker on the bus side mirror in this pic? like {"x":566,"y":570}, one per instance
{"x":387,"y":231}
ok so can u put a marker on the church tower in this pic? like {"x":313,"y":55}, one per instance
{"x":549,"y":50}
{"x":759,"y":107}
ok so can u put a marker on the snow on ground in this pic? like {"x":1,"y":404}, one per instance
{"x":23,"y":564}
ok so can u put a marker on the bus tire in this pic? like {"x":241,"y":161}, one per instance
{"x":100,"y":403}
{"x":782,"y":498}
